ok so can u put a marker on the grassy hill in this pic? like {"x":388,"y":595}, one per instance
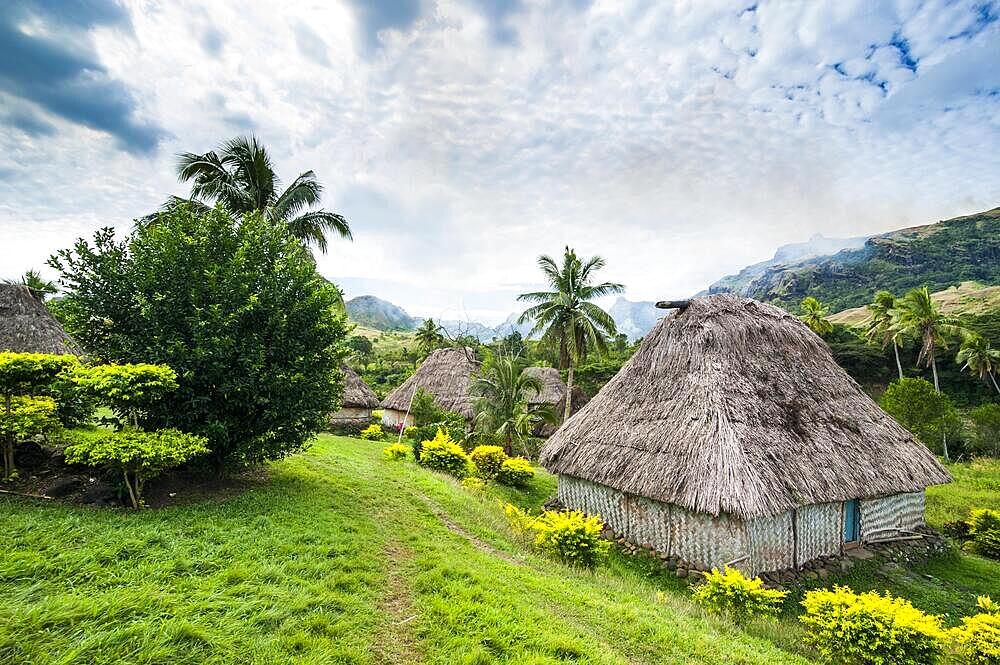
{"x":968,"y":299}
{"x":384,"y":342}
{"x":336,"y":556}
{"x":938,"y":255}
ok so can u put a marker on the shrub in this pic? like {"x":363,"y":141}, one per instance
{"x":131,"y":391}
{"x":515,"y":472}
{"x":570,"y":537}
{"x":474,"y":484}
{"x":977,"y":639}
{"x":395,"y":452}
{"x":443,"y":454}
{"x":984,"y":529}
{"x":868,"y":628}
{"x":453,"y":426}
{"x":732,"y":593}
{"x":137,"y":455}
{"x":234,"y":306}
{"x":488,"y":460}
{"x":27,"y":417}
{"x":373,"y":433}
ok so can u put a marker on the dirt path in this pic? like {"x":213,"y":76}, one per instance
{"x":459,"y":531}
{"x":396,"y":643}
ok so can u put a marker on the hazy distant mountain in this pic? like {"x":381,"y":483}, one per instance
{"x":787,"y":255}
{"x":635,"y":319}
{"x":373,"y":312}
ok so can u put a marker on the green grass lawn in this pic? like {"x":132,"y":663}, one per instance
{"x":340,"y":557}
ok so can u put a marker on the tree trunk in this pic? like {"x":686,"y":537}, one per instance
{"x":937,"y":387}
{"x":993,"y":378}
{"x":131,"y":492}
{"x":568,"y":410}
{"x":899,"y":365}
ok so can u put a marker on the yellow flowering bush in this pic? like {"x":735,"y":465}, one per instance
{"x":395,"y":452}
{"x":977,"y":640}
{"x":443,"y":454}
{"x":569,"y":536}
{"x":373,"y":433}
{"x":474,"y":484}
{"x":740,"y":597}
{"x":515,"y":472}
{"x":488,"y":460}
{"x":869,"y":628}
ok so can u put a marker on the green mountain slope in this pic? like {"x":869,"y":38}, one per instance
{"x":372,"y":312}
{"x":937,"y":255}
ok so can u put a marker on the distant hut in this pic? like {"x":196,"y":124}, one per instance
{"x":446,"y":374}
{"x":732,"y":436}
{"x":27,"y":326}
{"x":359,"y":400}
{"x":553,"y":394}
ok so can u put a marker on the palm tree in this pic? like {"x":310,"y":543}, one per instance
{"x":240,"y":178}
{"x":814,"y":315}
{"x":40,"y":287}
{"x":429,"y":336}
{"x":978,"y":357}
{"x":565,"y":316}
{"x":880,"y":324}
{"x":502,"y":392}
{"x":917,"y":316}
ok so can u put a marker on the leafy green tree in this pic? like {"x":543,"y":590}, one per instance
{"x":565,"y":315}
{"x":132,"y":392}
{"x":978,"y":357}
{"x":40,"y":287}
{"x":880,"y":324}
{"x":251,"y":329}
{"x":986,"y":428}
{"x":429,"y":336}
{"x":136,"y":455}
{"x":361,"y":347}
{"x":240,"y":178}
{"x":814,"y":315}
{"x":922,"y":409}
{"x":503,"y":412}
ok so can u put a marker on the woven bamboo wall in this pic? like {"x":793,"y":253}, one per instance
{"x":887,"y":514}
{"x":351,"y":413}
{"x":392,"y":418}
{"x":819,"y":531}
{"x":771,"y":543}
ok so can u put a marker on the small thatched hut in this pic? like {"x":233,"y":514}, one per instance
{"x":27,"y":326}
{"x":732,"y":436}
{"x":553,"y":394}
{"x":446,"y":374}
{"x":359,"y":400}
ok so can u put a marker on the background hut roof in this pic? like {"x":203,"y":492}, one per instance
{"x":357,"y":394}
{"x":27,"y":326}
{"x":553,"y":388}
{"x":446,"y":374}
{"x":734,"y":406}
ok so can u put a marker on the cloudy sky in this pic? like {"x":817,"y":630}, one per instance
{"x":462,"y":138}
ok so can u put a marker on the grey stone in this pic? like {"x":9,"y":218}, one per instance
{"x":63,"y":486}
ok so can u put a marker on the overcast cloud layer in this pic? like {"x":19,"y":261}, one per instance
{"x":462,"y":138}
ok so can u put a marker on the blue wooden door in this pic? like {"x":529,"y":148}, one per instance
{"x":852,"y":521}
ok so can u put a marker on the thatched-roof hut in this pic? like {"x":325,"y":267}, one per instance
{"x":447,"y":375}
{"x":553,"y":393}
{"x":358,"y":402}
{"x":732,"y":436}
{"x":27,"y":326}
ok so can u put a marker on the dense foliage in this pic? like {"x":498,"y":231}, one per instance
{"x":487,"y":460}
{"x":870,"y":629}
{"x":924,"y":411}
{"x":236,"y":308}
{"x":986,"y":429}
{"x":504,"y":412}
{"x":984,"y":530}
{"x":568,"y":536}
{"x":132,"y":392}
{"x":373,"y":433}
{"x":136,"y":455}
{"x":515,"y":472}
{"x":977,"y":639}
{"x":443,"y":454}
{"x":732,"y":593}
{"x":22,"y":418}
{"x":395,"y":452}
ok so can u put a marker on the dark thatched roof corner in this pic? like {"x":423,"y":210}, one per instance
{"x":27,"y":326}
{"x":735,"y":406}
{"x":446,"y":374}
{"x":357,"y":394}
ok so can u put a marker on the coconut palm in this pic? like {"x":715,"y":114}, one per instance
{"x":565,"y":315}
{"x":814,"y":315}
{"x":40,"y":287}
{"x":918,"y":316}
{"x":240,"y":177}
{"x":429,"y":336}
{"x":879,"y":330}
{"x":502,"y":392}
{"x":978,"y":357}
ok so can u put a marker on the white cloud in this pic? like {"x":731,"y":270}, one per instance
{"x":679,"y":140}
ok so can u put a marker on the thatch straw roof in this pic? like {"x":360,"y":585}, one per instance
{"x":553,"y":388}
{"x":357,"y":394}
{"x":446,"y":374}
{"x":734,"y":406}
{"x":27,"y":326}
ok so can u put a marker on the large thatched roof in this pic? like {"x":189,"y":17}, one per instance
{"x":357,"y":394}
{"x":553,"y":387}
{"x":735,"y":406}
{"x":27,"y":326}
{"x":446,"y":374}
